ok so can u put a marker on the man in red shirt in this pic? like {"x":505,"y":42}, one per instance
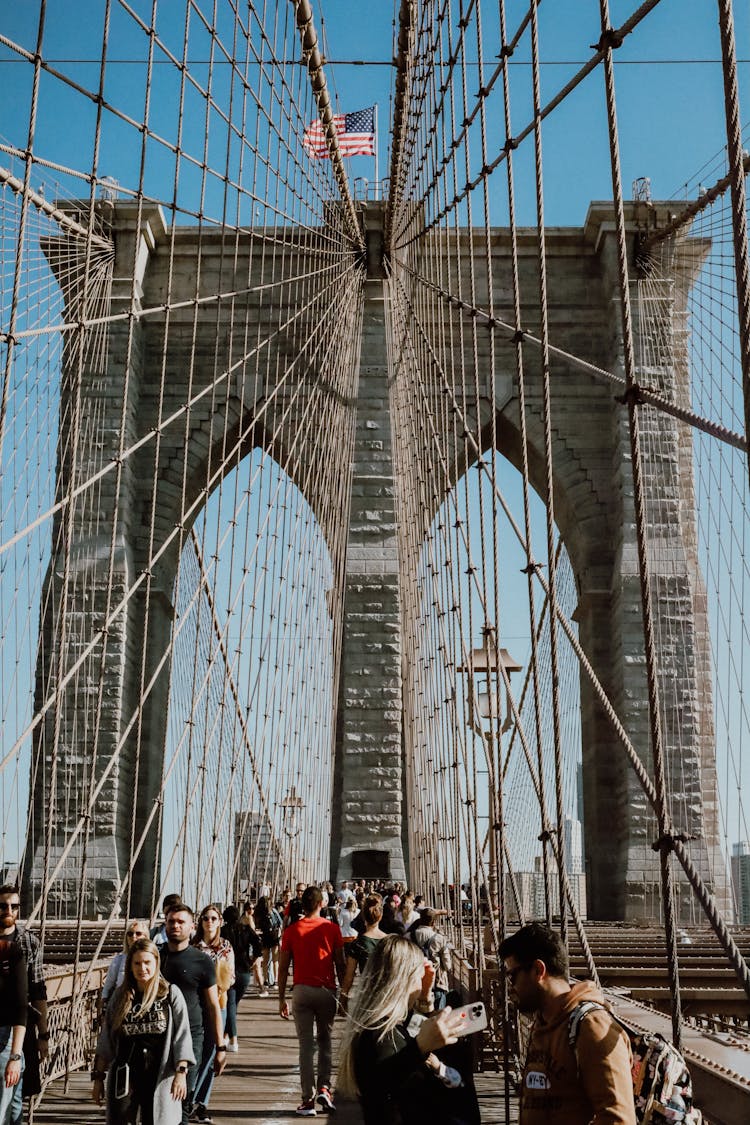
{"x":315,"y":946}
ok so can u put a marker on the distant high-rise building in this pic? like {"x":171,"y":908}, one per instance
{"x":530,"y":888}
{"x":573,"y":836}
{"x":9,"y":873}
{"x":260,"y":860}
{"x":741,"y":881}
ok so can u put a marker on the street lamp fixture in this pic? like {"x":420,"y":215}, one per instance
{"x":483,"y":704}
{"x":292,"y":805}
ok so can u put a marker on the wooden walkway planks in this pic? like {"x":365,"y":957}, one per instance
{"x":260,"y":1085}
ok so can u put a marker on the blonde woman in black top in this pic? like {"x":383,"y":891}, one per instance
{"x":393,"y":1072}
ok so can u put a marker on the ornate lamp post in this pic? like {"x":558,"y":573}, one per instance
{"x":484,"y":718}
{"x":292,"y":804}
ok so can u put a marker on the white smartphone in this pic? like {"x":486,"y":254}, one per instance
{"x":122,"y":1081}
{"x":474,"y":1017}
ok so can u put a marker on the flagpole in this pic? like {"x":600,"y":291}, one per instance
{"x":377,"y":181}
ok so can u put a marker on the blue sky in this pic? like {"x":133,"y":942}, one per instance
{"x":669,"y":87}
{"x":669,"y":90}
{"x":669,"y":93}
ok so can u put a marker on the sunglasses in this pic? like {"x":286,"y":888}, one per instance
{"x":137,"y":933}
{"x":8,"y":907}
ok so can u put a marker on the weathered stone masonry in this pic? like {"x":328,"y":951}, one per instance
{"x":593,"y":504}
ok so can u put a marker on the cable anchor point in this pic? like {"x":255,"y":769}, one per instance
{"x":631,"y":396}
{"x":667,"y":841}
{"x":611,"y":38}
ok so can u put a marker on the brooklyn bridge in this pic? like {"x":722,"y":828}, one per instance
{"x":374,"y":495}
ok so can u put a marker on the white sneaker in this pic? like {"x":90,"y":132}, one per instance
{"x":264,"y":993}
{"x":233,"y":1047}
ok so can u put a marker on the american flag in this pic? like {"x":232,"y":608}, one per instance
{"x":356,"y":134}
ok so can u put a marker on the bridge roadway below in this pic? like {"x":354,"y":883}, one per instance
{"x":260,"y":1084}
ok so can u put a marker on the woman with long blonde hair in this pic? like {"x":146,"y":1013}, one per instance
{"x":393,"y":1071}
{"x":136,"y":928}
{"x":145,"y":1047}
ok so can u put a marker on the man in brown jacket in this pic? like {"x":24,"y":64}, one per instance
{"x":562,"y":1086}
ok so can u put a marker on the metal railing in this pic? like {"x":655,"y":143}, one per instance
{"x":367,"y":189}
{"x":72,"y":1019}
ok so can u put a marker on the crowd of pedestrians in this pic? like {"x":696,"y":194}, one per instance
{"x":168,"y":1014}
{"x":170,"y":999}
{"x":374,"y":954}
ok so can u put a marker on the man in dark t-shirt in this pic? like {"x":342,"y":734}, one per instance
{"x":13,"y":1013}
{"x":295,"y":910}
{"x":194,"y":974}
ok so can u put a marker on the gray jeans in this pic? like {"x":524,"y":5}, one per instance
{"x":313,"y":1006}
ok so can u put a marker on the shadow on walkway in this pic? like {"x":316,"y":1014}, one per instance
{"x":260,"y":1083}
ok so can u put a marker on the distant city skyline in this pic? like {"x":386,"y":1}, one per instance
{"x":740,"y":864}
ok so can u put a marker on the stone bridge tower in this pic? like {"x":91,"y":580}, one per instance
{"x":593,"y":503}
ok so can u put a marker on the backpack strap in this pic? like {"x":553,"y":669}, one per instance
{"x":577,"y":1015}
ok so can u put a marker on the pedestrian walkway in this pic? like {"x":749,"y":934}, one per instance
{"x":260,"y":1085}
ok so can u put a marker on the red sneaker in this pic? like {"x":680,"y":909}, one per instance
{"x":325,"y":1100}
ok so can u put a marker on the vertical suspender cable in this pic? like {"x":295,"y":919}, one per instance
{"x":550,"y":505}
{"x":739,"y":202}
{"x":664,"y":819}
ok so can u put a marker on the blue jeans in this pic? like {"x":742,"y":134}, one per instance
{"x":196,"y":1034}
{"x":11,"y":1103}
{"x":235,"y":994}
{"x":268,"y":966}
{"x":205,"y":1077}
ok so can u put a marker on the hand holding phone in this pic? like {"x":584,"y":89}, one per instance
{"x":473,"y":1018}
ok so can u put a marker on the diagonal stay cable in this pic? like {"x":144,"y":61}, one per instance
{"x":182,"y":410}
{"x":647,"y":394}
{"x":704,"y":896}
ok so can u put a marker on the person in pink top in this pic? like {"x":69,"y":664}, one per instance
{"x":314,"y":946}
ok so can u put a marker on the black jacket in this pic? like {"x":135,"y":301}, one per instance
{"x":397,"y":1088}
{"x":246,"y":945}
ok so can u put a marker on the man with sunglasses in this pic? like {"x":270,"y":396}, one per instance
{"x":36,"y":1042}
{"x":562,"y":1084}
{"x":193,"y":972}
{"x":295,"y":910}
